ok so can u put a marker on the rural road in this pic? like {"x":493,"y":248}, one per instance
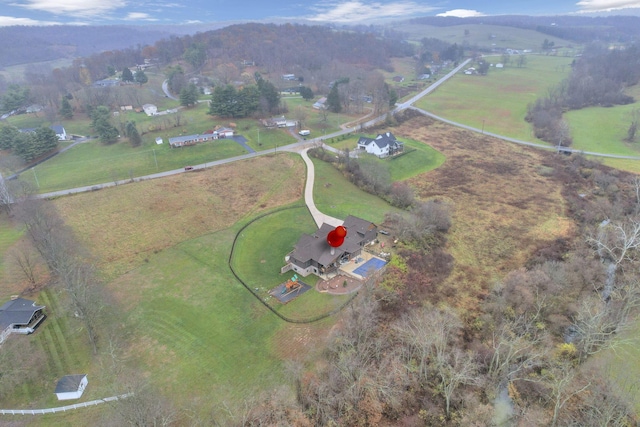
{"x":165,"y":89}
{"x":296,"y":147}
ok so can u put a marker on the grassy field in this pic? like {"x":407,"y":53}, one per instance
{"x":9,"y":234}
{"x":124,"y":225}
{"x":335,"y":196}
{"x":92,"y":163}
{"x":498,"y":101}
{"x":603,"y":129}
{"x":486,"y":36}
{"x":66,"y":349}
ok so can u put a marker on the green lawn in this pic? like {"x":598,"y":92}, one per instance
{"x":92,"y":163}
{"x":419,"y":158}
{"x":498,"y":101}
{"x":67,"y":351}
{"x":603,"y":129}
{"x":8,"y":236}
{"x":259,"y":255}
{"x":335,"y":196}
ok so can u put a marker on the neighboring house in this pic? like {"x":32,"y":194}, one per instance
{"x":182,"y":141}
{"x":19,"y":316}
{"x":288,"y":77}
{"x":280,"y":122}
{"x":71,"y":386}
{"x":499,"y":65}
{"x":312,"y":253}
{"x":320,"y":104}
{"x":424,"y":76}
{"x":223,"y":132}
{"x":398,"y":79}
{"x":61,"y":133}
{"x":383,"y":145}
{"x":210,"y":135}
{"x":150,"y":109}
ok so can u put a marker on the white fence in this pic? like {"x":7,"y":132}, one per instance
{"x":62,"y":408}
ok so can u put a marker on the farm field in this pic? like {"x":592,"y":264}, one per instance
{"x":603,"y":129}
{"x":498,"y":101}
{"x":486,"y":36}
{"x":124,"y":225}
{"x":93,"y":163}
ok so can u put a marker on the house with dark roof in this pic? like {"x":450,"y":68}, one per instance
{"x":313,"y":255}
{"x":71,"y":386}
{"x":19,"y":316}
{"x":61,"y":133}
{"x":383,"y":145}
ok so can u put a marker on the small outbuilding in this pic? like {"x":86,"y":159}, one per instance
{"x":71,"y":386}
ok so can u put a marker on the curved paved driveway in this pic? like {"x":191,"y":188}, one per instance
{"x":318,"y":216}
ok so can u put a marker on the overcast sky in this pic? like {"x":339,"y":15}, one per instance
{"x":139,"y":12}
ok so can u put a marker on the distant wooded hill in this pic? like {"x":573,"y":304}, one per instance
{"x":22,"y":45}
{"x":582,"y":29}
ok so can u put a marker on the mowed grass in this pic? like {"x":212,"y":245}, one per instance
{"x":66,"y":348}
{"x":93,"y":163}
{"x":335,"y":196}
{"x":603,"y":130}
{"x":10,"y":233}
{"x":419,"y":157}
{"x":198,"y":333}
{"x":498,"y":101}
{"x":489,"y":36}
{"x":259,"y":255}
{"x":124,"y":225}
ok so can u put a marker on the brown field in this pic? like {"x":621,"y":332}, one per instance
{"x":127,"y":223}
{"x":503,"y":208}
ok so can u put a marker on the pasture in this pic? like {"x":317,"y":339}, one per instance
{"x":498,"y":101}
{"x":486,"y":36}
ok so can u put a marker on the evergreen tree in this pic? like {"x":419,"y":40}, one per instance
{"x":141,"y":78}
{"x":307,"y":93}
{"x":132,"y":133}
{"x":65,"y":109}
{"x":127,"y":75}
{"x":189,"y":95}
{"x":269,"y":94}
{"x":107,"y":133}
{"x":7,"y":135}
{"x":226,"y":101}
{"x":333,"y":99}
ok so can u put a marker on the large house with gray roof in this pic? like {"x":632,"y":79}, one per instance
{"x":313,"y":255}
{"x":19,"y":316}
{"x":383,"y":145}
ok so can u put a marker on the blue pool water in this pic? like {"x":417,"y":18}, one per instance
{"x":373,"y":263}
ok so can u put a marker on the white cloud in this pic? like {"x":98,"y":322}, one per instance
{"x":139,"y":16}
{"x":606,"y":5}
{"x":83,"y":8}
{"x":354,"y":11}
{"x":193,"y":21}
{"x":461,"y":13}
{"x":7,"y":21}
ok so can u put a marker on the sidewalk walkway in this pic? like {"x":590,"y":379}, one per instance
{"x":62,"y":408}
